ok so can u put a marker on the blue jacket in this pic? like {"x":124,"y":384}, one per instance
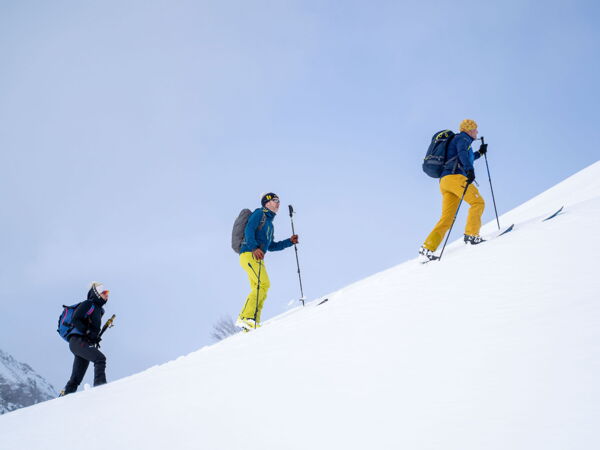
{"x":263,"y":238}
{"x":460,"y":147}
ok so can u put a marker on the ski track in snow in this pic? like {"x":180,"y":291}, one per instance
{"x":494,"y":347}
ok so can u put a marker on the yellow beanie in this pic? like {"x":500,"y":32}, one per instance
{"x":468,"y":125}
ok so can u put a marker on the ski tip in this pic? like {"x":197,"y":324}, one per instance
{"x":555,"y":214}
{"x":322,"y":301}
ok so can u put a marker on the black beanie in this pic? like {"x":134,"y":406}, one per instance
{"x":267,"y":198}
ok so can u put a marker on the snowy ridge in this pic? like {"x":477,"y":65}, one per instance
{"x":581,"y":187}
{"x":495,"y":347}
{"x":20,"y":385}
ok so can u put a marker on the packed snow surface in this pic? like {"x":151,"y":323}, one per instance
{"x":494,"y":347}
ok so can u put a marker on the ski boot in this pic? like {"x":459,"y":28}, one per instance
{"x":426,"y":255}
{"x":473,"y":240}
{"x":246,"y":324}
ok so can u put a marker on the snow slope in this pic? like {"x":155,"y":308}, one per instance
{"x":495,"y":347}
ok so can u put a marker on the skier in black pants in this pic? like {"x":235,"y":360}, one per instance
{"x":84,"y":339}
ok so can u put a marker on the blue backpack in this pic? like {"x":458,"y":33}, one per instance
{"x":65,"y":327}
{"x":435,"y":158}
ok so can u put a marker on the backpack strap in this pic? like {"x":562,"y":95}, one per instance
{"x":456,"y":164}
{"x":446,"y":151}
{"x":260,"y":226}
{"x":448,"y":145}
{"x":263,"y":220}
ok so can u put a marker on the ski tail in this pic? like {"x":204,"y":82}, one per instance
{"x":508,"y":230}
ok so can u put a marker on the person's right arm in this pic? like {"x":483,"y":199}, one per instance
{"x":250,"y":230}
{"x":462,"y":149}
{"x":81,"y":316}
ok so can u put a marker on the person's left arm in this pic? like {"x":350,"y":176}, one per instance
{"x":276,"y":246}
{"x":95,"y":323}
{"x":482,"y":151}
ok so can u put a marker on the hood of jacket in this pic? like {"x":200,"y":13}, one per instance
{"x":96,"y":298}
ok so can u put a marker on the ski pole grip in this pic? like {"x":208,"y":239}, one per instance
{"x":482,"y":141}
{"x":291,"y":210}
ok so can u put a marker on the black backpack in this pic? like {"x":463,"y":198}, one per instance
{"x":239,"y":227}
{"x":435,"y":158}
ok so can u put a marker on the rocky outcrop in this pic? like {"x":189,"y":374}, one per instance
{"x":20,"y":385}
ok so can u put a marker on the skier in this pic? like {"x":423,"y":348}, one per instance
{"x":258,"y":239}
{"x":84,"y":338}
{"x":458,"y":174}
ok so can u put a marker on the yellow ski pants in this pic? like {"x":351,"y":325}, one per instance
{"x":256,"y":299}
{"x":452,"y":188}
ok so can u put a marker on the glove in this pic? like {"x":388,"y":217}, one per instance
{"x":258,"y":254}
{"x":294,"y":239}
{"x":93,"y":338}
{"x":470,"y":176}
{"x":483,"y":149}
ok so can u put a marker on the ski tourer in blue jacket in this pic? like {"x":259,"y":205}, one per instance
{"x":460,"y":155}
{"x":456,"y":186}
{"x":258,"y":240}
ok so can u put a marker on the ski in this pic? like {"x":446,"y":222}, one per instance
{"x":434,"y":258}
{"x":508,"y":230}
{"x":322,"y":301}
{"x":554,"y":215}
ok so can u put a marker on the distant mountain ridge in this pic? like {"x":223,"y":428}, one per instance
{"x":20,"y":385}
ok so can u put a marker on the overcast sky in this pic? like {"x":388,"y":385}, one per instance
{"x":132,"y":133}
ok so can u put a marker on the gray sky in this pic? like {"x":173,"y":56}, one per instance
{"x":132,"y":133}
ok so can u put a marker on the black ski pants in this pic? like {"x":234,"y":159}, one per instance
{"x":84,"y":354}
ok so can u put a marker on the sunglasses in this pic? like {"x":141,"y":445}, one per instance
{"x":275,"y":199}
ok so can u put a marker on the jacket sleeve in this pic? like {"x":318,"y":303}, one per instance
{"x":250,"y":230}
{"x":96,"y":321}
{"x":462,"y":148}
{"x":476,"y":155}
{"x":81,"y":316}
{"x":276,"y":246}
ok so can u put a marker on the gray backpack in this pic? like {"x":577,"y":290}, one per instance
{"x":239,"y":227}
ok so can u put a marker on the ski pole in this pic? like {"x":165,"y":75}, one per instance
{"x":453,"y":220}
{"x":296,"y":249}
{"x":491,"y":188}
{"x":257,"y":288}
{"x":106,"y":326}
